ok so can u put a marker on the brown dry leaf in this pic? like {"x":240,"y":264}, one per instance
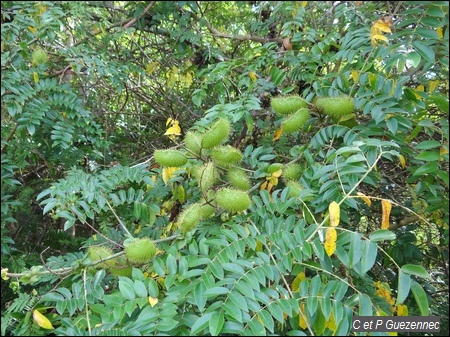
{"x":386,"y":209}
{"x":287,"y":43}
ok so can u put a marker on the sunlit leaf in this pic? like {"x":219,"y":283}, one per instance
{"x":386,"y":209}
{"x":41,"y":320}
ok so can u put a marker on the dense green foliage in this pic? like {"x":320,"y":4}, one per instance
{"x":283,"y":217}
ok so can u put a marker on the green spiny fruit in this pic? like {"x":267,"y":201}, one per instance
{"x":226,"y":155}
{"x":207,"y":175}
{"x":39,"y":56}
{"x":287,"y":105}
{"x":97,"y":253}
{"x":292,"y":171}
{"x":189,"y":217}
{"x":140,"y":251}
{"x":295,"y":121}
{"x":206,"y":210}
{"x":238,"y":178}
{"x":233,"y":200}
{"x":294,"y":188}
{"x":193,"y":141}
{"x":170,"y":158}
{"x":217,"y":134}
{"x":335,"y":107}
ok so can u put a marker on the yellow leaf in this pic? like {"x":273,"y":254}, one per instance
{"x":378,"y":28}
{"x":365,"y":198}
{"x":151,"y":67}
{"x":298,"y":279}
{"x":5,"y":274}
{"x":253,"y":76}
{"x":439,"y":32}
{"x":35,"y":77}
{"x":263,"y":185}
{"x":167,"y":173}
{"x":173,"y":130}
{"x":442,"y":152}
{"x":402,"y":310}
{"x":302,"y":317}
{"x":432,"y":86}
{"x":169,"y":121}
{"x":41,"y":320}
{"x":152,"y":301}
{"x":331,"y":323}
{"x":304,"y":3}
{"x":277,"y":134}
{"x":382,"y":26}
{"x":138,"y":229}
{"x":94,"y":237}
{"x":386,"y":209}
{"x":355,"y":75}
{"x":277,"y":174}
{"x":259,"y":246}
{"x":330,"y":241}
{"x":335,"y":214}
{"x":402,"y":161}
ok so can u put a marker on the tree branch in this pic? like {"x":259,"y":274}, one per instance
{"x":133,"y":20}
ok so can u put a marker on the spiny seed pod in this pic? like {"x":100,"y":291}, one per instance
{"x":238,"y":178}
{"x":217,"y":134}
{"x":170,"y":158}
{"x":193,"y":141}
{"x":206,"y":210}
{"x":287,"y":105}
{"x":335,"y":107}
{"x":207,"y":175}
{"x":292,"y":171}
{"x":189,"y":217}
{"x":294,"y":188}
{"x":295,"y":121}
{"x":233,"y":200}
{"x":226,"y":155}
{"x":97,"y":253}
{"x":140,"y":251}
{"x":39,"y":56}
